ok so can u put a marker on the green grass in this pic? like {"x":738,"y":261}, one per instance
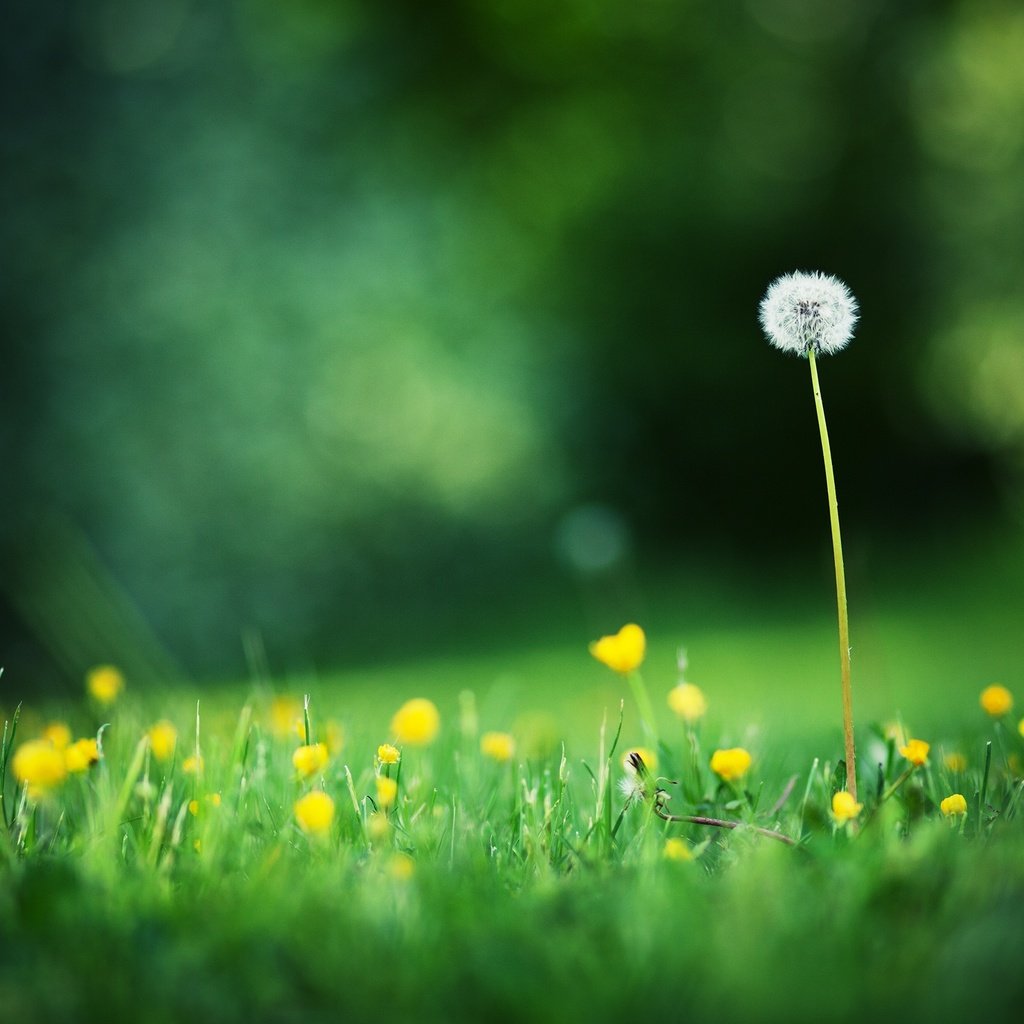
{"x":535,"y":893}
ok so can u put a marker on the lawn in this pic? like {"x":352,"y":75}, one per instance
{"x":549,"y":885}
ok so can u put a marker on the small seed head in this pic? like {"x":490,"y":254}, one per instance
{"x":801,"y":312}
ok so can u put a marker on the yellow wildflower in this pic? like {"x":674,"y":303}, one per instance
{"x":193,"y":764}
{"x":956,"y":762}
{"x":416,"y":722}
{"x":623,"y":652}
{"x":953,"y":804}
{"x":388,"y":754}
{"x":387,"y":790}
{"x":335,"y":737}
{"x":498,"y":746}
{"x":688,"y":702}
{"x":916,"y":752}
{"x":58,"y":734}
{"x":285,"y":713}
{"x":844,"y":807}
{"x":193,"y":807}
{"x":39,"y":765}
{"x":104,"y":683}
{"x":162,"y":739}
{"x":677,"y":850}
{"x":1020,"y":727}
{"x":314,"y":812}
{"x":732,"y":764}
{"x":81,"y":755}
{"x":401,"y":866}
{"x":212,"y":800}
{"x":310,"y":759}
{"x":996,"y":700}
{"x":378,"y":825}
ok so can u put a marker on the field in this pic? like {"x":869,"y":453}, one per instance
{"x":184,"y":880}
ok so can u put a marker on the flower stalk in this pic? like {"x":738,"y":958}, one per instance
{"x":837,"y":553}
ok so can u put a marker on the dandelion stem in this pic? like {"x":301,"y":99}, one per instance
{"x":837,"y":551}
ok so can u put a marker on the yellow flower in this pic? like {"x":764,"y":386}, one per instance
{"x":284,"y":713}
{"x":162,"y":739}
{"x":310,"y":759}
{"x":953,"y":804}
{"x":416,"y":722}
{"x":956,"y":762}
{"x":688,"y":702}
{"x":314,"y":812}
{"x":401,"y":866}
{"x":649,"y":758}
{"x":212,"y":799}
{"x":1020,"y":727}
{"x":193,"y":765}
{"x":499,"y":746}
{"x":81,"y":755}
{"x":335,"y":737}
{"x":388,"y":754}
{"x":730,"y":764}
{"x":39,"y":765}
{"x":996,"y":700}
{"x":844,"y":807}
{"x":387,"y":790}
{"x":676,"y":849}
{"x":916,"y":752}
{"x":104,"y":683}
{"x":623,"y":652}
{"x":378,"y":825}
{"x":58,"y":734}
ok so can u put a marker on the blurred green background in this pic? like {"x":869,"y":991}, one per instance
{"x":337,"y":331}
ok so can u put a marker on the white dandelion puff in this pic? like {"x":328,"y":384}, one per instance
{"x":802,"y":312}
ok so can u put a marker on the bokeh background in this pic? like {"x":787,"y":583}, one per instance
{"x":335,"y":332}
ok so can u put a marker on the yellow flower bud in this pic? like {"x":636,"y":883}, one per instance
{"x":954,"y":804}
{"x":916,"y":752}
{"x":996,"y":700}
{"x":310,"y":759}
{"x":315,"y":812}
{"x":844,"y":807}
{"x":416,"y":722}
{"x":623,"y":652}
{"x":732,"y":764}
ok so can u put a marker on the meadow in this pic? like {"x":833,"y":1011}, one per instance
{"x":507,"y":860}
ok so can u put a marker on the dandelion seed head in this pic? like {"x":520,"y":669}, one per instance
{"x":804,"y":311}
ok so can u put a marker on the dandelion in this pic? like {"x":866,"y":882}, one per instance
{"x":104,"y":683}
{"x":955,"y":762}
{"x":498,"y":746}
{"x":193,"y":764}
{"x":807,"y":314}
{"x":310,"y":759}
{"x":676,"y":850}
{"x":81,"y":755}
{"x":845,"y":807}
{"x":387,"y":790}
{"x":688,"y":702}
{"x":162,"y":739}
{"x":40,"y":766}
{"x":314,"y":812}
{"x":996,"y":700}
{"x":58,"y":734}
{"x":731,"y":765}
{"x":416,"y":722}
{"x":387,"y":754}
{"x":916,"y":752}
{"x":624,"y":651}
{"x":953,"y":805}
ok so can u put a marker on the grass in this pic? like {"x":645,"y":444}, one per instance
{"x":531,"y":890}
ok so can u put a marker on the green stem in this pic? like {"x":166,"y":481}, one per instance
{"x":837,"y":551}
{"x":643,"y":704}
